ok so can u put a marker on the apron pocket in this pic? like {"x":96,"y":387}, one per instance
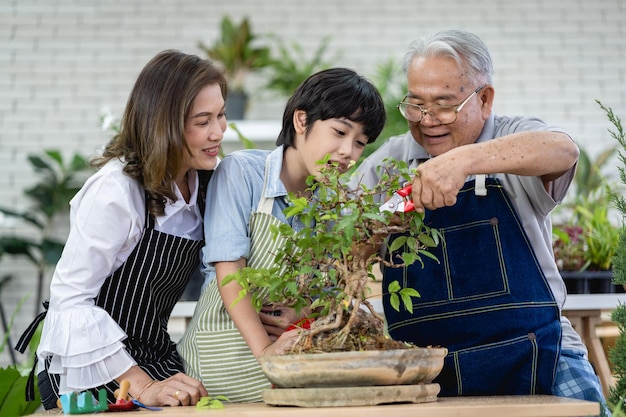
{"x":228,"y":367}
{"x":524,"y":365}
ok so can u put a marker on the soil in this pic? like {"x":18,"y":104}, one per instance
{"x":366,"y":333}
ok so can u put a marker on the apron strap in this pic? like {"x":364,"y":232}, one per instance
{"x":480,"y":188}
{"x":23,"y":343}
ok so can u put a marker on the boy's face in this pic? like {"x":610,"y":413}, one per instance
{"x":342,"y":138}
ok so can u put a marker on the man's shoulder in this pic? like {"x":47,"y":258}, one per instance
{"x":505,"y":125}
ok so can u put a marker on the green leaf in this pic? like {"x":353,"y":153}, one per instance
{"x":211,"y":402}
{"x":12,"y":388}
{"x":394,"y":287}
{"x":397,"y":243}
{"x":394,"y":300}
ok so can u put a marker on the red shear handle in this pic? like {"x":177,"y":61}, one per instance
{"x":406,"y":192}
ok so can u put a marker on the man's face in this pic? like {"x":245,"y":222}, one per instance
{"x":439,"y":81}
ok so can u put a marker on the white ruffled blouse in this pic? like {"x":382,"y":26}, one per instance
{"x":107,"y":217}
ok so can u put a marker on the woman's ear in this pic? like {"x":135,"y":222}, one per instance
{"x":299,"y":121}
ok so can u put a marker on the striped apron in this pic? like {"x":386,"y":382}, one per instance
{"x":212,"y":349}
{"x":140,"y":296}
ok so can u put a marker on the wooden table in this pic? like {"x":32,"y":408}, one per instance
{"x":509,"y":406}
{"x":585,"y":312}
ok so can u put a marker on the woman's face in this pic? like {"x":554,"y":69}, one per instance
{"x":204,"y":129}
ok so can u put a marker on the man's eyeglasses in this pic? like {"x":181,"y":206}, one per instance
{"x":444,"y":115}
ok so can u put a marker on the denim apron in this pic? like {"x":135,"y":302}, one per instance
{"x":486,"y":300}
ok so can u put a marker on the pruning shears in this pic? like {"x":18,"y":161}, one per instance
{"x":399,"y":201}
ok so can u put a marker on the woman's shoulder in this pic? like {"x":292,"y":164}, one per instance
{"x":112,"y":179}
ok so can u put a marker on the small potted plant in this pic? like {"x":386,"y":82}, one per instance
{"x":236,"y":51}
{"x":328,"y":265}
{"x":584,"y":245}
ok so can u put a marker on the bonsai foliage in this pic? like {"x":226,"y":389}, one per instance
{"x":235,"y":50}
{"x":328,"y":263}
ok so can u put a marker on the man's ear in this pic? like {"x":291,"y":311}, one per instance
{"x":486,"y":98}
{"x":299,"y":121}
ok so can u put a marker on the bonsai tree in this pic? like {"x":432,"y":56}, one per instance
{"x":330,"y":260}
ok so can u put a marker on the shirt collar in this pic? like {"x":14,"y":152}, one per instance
{"x":275,"y":187}
{"x":180,"y":204}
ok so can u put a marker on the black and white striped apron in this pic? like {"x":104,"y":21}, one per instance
{"x":140,"y":296}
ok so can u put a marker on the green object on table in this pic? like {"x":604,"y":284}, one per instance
{"x":84,"y":403}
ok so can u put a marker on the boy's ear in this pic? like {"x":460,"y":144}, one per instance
{"x":299,"y":121}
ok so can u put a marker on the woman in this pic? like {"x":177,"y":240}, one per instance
{"x":134,"y":241}
{"x":334,"y":112}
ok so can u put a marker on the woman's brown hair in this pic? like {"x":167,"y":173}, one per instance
{"x":151,"y":140}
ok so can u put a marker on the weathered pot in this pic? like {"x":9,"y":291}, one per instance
{"x":364,"y":368}
{"x":353,"y":378}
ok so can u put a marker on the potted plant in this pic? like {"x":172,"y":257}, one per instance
{"x":292,"y":66}
{"x":59,"y":181}
{"x":236,"y":51}
{"x":584,"y":245}
{"x":330,"y":262}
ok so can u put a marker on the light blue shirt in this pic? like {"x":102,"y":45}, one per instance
{"x":234,"y":192}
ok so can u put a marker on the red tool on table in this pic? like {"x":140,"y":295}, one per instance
{"x":123,"y":403}
{"x":400,"y":201}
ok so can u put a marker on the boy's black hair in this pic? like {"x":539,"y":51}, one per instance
{"x":335,"y":93}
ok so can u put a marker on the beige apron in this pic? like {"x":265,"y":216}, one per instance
{"x":212,"y":349}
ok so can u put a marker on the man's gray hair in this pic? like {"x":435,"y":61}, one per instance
{"x":467,"y":49}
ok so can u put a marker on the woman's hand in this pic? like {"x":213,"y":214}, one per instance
{"x":176,"y":390}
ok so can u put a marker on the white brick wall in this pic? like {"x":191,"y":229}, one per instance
{"x":61,"y":61}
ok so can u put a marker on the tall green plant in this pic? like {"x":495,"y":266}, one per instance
{"x":59,"y":180}
{"x":617,"y":354}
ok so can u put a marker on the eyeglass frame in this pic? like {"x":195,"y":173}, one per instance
{"x":425,"y":111}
